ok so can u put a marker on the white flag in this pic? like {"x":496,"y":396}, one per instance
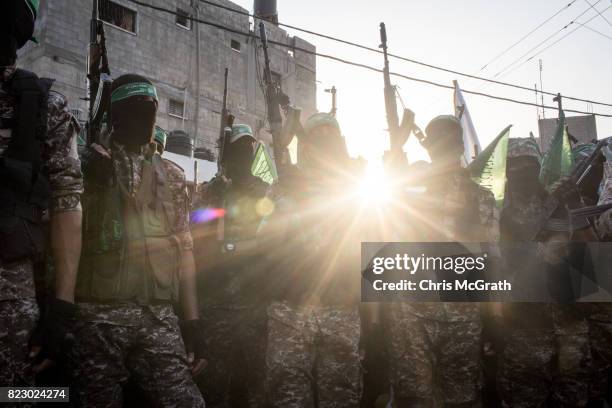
{"x":470,"y":138}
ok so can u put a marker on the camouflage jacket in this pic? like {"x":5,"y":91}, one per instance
{"x":315,"y":235}
{"x":127,"y":167}
{"x":62,"y":166}
{"x":229,"y":276}
{"x":457,"y":210}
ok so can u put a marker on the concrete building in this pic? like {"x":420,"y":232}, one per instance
{"x":185,"y":60}
{"x":583,"y":128}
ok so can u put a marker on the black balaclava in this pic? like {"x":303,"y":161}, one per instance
{"x":239,"y":159}
{"x":133,"y":110}
{"x":522,"y":176}
{"x":16,"y":28}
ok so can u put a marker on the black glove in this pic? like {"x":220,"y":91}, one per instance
{"x":55,"y":330}
{"x":97,"y":165}
{"x":193,"y":337}
{"x":218,"y":186}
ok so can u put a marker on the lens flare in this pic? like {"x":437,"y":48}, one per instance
{"x":204,"y":215}
{"x":374,"y":187}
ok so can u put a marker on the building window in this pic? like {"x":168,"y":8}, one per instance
{"x":176,"y":108}
{"x":182,"y":19}
{"x":118,"y":15}
{"x":236,"y":45}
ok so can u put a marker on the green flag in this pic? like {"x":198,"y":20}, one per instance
{"x":489,"y":168}
{"x":263,"y":165}
{"x":558,"y":161}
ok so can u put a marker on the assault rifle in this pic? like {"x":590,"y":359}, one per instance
{"x":580,"y":176}
{"x":578,"y":215}
{"x":225,"y":131}
{"x":99,"y":80}
{"x":275,"y":101}
{"x":398,"y":133}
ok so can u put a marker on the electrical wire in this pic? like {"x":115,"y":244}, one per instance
{"x":401,"y":58}
{"x":595,"y":31}
{"x":523,"y":38}
{"x":509,"y":68}
{"x":598,"y":12}
{"x":360,"y":65}
{"x":580,"y":25}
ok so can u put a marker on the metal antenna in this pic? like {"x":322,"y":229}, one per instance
{"x":541,"y":88}
{"x":333,"y":91}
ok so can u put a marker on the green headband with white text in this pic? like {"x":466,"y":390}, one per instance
{"x":133,"y":89}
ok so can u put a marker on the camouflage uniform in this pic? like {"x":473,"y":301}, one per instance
{"x":119,"y":340}
{"x":600,"y":316}
{"x":546,"y":357}
{"x":18,"y":309}
{"x":313,"y":356}
{"x":434,"y":348}
{"x":232,"y":306}
{"x":604,"y":224}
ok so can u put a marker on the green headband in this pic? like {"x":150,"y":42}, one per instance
{"x":133,"y":89}
{"x":33,"y":5}
{"x":160,"y":136}
{"x":238,"y":131}
{"x":320,"y":119}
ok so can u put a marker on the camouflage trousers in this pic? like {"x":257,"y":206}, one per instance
{"x":115,"y":343}
{"x":600,"y":337}
{"x":17,"y":321}
{"x":437,"y":363}
{"x":313,"y":357}
{"x":235,"y":352}
{"x":540,"y":366}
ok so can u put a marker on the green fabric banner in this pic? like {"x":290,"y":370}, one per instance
{"x":489,"y":168}
{"x":558,"y":161}
{"x":263,"y":165}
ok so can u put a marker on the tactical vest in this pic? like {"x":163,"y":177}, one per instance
{"x":24,"y":189}
{"x":130,"y":251}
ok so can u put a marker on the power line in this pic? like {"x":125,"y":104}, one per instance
{"x":356,"y":64}
{"x":424,"y":64}
{"x":508,"y":67}
{"x":595,"y":31}
{"x":504,"y":52}
{"x":557,"y":41}
{"x":598,"y":12}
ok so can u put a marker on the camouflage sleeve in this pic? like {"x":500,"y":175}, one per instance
{"x":60,"y":156}
{"x":604,"y":224}
{"x":175,"y":177}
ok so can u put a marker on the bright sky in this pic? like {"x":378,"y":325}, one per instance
{"x":461,"y":35}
